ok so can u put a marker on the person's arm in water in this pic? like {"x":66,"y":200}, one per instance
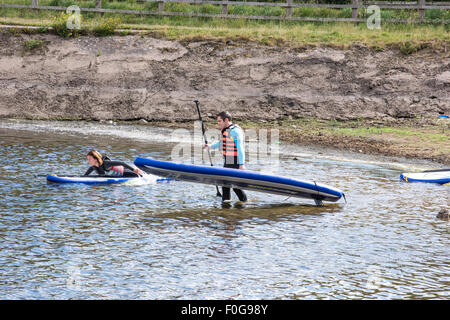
{"x":88,"y":172}
{"x":238,"y":137}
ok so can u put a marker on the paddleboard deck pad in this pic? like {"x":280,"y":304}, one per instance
{"x":93,"y":179}
{"x":432,"y":176}
{"x":241,"y":179}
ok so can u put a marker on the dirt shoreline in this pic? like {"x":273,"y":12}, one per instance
{"x":411,"y":144}
{"x":132,"y":77}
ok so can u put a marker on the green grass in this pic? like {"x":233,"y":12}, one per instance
{"x":404,"y":132}
{"x":233,"y":9}
{"x":410,"y":138}
{"x":408,"y":37}
{"x":31,"y":45}
{"x":360,"y":127}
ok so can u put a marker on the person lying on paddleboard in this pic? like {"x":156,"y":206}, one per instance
{"x":105,"y":167}
{"x":232,"y":147}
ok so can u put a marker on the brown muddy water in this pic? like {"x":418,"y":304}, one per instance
{"x":176,"y":241}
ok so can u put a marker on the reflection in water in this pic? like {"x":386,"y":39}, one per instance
{"x":176,"y":241}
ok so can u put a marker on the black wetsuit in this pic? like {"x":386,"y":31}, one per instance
{"x":108,"y":165}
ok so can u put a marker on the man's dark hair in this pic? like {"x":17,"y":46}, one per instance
{"x":224,"y":115}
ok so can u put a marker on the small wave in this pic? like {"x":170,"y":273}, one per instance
{"x":144,"y":180}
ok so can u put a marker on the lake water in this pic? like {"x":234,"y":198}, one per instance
{"x":176,"y":241}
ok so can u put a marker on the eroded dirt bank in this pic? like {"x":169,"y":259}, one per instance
{"x":134,"y":77}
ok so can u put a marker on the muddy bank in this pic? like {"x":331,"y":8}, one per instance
{"x":133,"y":77}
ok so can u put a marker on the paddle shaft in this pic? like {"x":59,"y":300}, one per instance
{"x":203,"y":131}
{"x":206,"y":141}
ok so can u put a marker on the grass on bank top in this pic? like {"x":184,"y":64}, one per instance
{"x":431,"y":135}
{"x":267,"y":32}
{"x":412,"y":134}
{"x":430,"y":14}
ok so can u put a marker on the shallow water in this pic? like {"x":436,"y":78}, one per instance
{"x":175,"y":241}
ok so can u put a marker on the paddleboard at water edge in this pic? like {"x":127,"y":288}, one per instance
{"x":94,"y":179}
{"x":432,"y":176}
{"x":241,"y":179}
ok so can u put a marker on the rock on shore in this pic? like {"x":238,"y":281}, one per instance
{"x":443,"y":214}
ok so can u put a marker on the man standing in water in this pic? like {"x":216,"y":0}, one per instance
{"x":232,"y":147}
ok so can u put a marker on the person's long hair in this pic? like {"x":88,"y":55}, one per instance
{"x":96,"y":155}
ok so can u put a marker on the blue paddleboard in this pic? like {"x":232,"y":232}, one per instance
{"x":241,"y":179}
{"x":93,"y":179}
{"x":432,"y":176}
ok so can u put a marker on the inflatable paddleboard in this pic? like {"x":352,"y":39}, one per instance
{"x":241,"y":179}
{"x":432,"y":176}
{"x":93,"y":179}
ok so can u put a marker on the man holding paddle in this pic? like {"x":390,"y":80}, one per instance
{"x":232,"y":148}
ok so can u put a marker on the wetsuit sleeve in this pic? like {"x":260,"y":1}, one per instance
{"x":108,"y":164}
{"x":88,"y":172}
{"x":238,"y":137}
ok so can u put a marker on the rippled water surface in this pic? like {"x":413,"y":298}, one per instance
{"x":175,"y":241}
